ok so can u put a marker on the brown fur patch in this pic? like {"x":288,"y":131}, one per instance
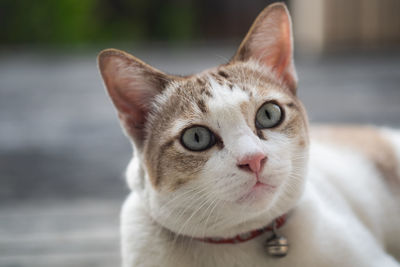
{"x":220,"y":80}
{"x":165,"y":164}
{"x":220,"y":144}
{"x":292,"y":105}
{"x":178,"y":184}
{"x":181,"y":166}
{"x":260,"y":134}
{"x":201,"y":82}
{"x":205,"y":91}
{"x":223,"y":74}
{"x":163,"y":148}
{"x":244,"y":109}
{"x":366,"y":140}
{"x":174,"y":168}
{"x":202,"y":105}
{"x":243,"y":76}
{"x":294,"y":122}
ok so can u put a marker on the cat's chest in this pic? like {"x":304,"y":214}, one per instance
{"x":251,"y":253}
{"x":254,"y":254}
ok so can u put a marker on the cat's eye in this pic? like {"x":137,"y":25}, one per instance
{"x":268,"y":115}
{"x":197,"y":138}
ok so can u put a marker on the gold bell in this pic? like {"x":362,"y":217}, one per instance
{"x":277,"y":246}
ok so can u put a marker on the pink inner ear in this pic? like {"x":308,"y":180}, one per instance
{"x":270,"y":42}
{"x":132,"y":86}
{"x":131,"y":105}
{"x":285,"y":53}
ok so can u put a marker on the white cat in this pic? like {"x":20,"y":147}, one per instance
{"x":224,"y":157}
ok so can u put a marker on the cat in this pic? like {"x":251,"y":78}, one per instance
{"x":225,"y":161}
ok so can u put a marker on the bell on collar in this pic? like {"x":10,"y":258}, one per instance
{"x":277,"y":245}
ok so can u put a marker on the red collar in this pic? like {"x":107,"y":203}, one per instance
{"x":279,"y":222}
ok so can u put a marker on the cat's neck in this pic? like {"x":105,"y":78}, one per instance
{"x":247,"y":236}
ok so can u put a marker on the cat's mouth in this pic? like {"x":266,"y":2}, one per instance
{"x":257,"y":191}
{"x":261,"y":184}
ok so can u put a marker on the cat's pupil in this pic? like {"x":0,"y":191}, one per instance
{"x":197,"y":137}
{"x":267,"y":114}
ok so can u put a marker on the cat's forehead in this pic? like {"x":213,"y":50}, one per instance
{"x":223,"y":95}
{"x":224,"y":87}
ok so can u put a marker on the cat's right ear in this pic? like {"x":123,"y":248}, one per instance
{"x":132,"y":86}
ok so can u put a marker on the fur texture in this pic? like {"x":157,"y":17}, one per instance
{"x":340,"y":188}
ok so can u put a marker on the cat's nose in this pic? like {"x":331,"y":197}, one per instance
{"x":253,"y":163}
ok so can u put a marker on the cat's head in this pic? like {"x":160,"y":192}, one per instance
{"x":223,"y":151}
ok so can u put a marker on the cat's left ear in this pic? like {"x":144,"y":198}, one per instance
{"x":132,"y":86}
{"x":270,"y":42}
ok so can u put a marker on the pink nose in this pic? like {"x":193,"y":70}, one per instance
{"x":252,"y":163}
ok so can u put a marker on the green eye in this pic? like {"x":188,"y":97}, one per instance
{"x":197,"y":138}
{"x":268,"y":115}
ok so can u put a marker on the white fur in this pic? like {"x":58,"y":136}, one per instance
{"x":345,"y":217}
{"x":341,"y":211}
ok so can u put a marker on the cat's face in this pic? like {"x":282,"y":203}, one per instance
{"x":223,"y":151}
{"x":203,"y":133}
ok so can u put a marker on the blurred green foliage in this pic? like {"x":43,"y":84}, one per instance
{"x":90,"y":21}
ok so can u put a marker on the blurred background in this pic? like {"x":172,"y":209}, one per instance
{"x":62,"y":154}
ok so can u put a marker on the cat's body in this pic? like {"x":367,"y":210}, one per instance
{"x":228,"y":151}
{"x":335,"y":222}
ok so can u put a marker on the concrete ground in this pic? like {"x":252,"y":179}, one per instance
{"x":62,"y":153}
